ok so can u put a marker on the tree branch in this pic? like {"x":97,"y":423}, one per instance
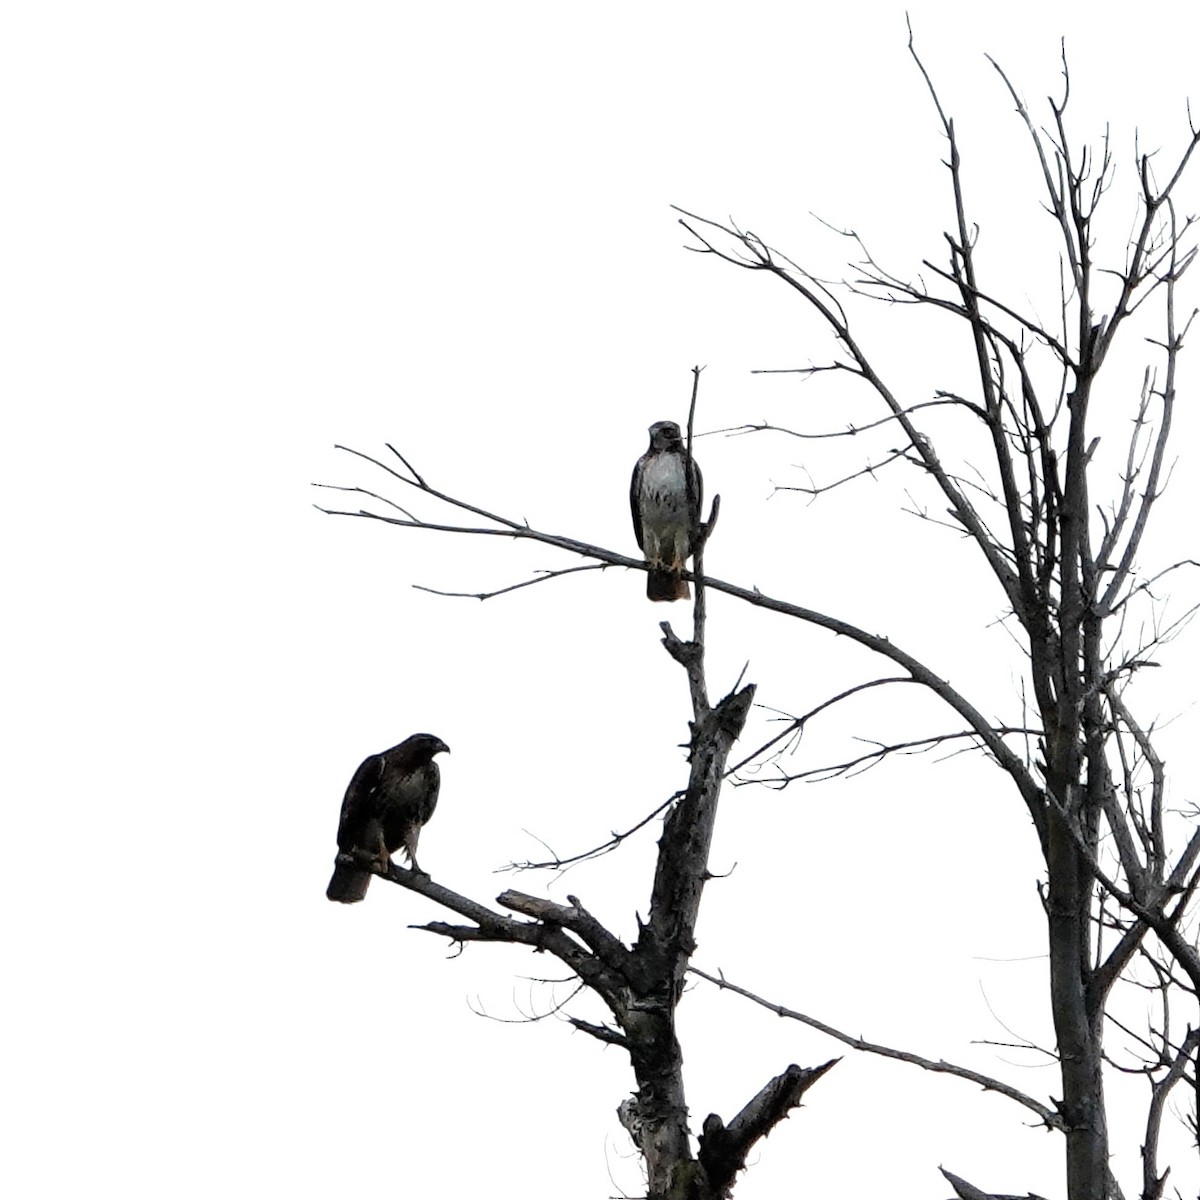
{"x":1048,"y":1116}
{"x":723,"y":1148}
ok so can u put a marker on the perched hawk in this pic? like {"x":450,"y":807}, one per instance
{"x":391,"y":796}
{"x":658,"y":495}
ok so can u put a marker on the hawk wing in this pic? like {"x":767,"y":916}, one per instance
{"x":635,"y":498}
{"x":359,"y":828}
{"x":360,"y":808}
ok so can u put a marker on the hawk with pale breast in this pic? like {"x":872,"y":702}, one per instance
{"x":662,"y":520}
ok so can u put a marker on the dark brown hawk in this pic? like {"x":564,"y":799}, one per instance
{"x":389,"y":800}
{"x":658,"y":496}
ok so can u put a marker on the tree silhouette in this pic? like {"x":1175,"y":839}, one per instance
{"x":1064,"y":548}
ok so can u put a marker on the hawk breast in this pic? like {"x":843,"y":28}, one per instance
{"x":663,"y":492}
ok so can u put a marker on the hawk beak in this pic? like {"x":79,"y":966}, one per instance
{"x":442,"y":748}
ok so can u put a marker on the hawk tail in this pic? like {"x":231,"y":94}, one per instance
{"x":666,"y":585}
{"x":347,"y":886}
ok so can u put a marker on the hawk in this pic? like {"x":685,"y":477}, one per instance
{"x":389,"y":800}
{"x":658,"y":495}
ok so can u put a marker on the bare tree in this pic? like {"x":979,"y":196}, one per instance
{"x":1064,"y":549}
{"x":640,"y":985}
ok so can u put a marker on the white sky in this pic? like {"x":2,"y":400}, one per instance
{"x":235,"y":234}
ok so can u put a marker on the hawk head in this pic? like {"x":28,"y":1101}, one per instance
{"x":423,"y":746}
{"x":665,"y":435}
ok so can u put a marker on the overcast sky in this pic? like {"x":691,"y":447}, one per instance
{"x":236,"y":234}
